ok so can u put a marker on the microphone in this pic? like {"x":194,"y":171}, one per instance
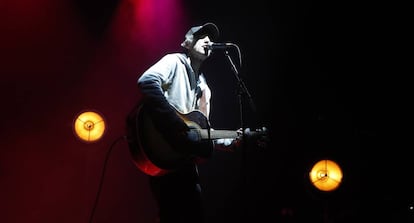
{"x":219,"y":46}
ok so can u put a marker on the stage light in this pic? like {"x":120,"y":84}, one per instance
{"x":89,"y":126}
{"x":326,"y":175}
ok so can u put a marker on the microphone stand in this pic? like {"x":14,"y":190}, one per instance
{"x":242,"y":90}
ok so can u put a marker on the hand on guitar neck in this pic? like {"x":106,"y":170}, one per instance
{"x":228,"y":140}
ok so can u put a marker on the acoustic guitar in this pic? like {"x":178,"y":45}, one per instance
{"x":153,"y":155}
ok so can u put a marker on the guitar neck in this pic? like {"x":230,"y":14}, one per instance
{"x":199,"y":123}
{"x":217,"y":134}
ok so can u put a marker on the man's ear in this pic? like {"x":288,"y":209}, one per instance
{"x":186,"y":44}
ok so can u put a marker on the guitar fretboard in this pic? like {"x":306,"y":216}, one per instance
{"x":217,"y":134}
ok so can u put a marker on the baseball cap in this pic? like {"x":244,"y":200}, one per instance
{"x":209,"y":29}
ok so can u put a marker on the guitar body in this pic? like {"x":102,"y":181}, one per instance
{"x":154,"y":155}
{"x":151,"y":153}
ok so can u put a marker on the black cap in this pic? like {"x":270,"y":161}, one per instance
{"x":209,"y":29}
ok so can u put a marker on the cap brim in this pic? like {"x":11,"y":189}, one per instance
{"x":210,"y":29}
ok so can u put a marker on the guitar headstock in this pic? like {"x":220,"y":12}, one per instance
{"x":259,"y":136}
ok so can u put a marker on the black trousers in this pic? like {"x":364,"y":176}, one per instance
{"x":178,"y":195}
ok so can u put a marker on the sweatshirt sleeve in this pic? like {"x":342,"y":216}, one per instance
{"x":152,"y":84}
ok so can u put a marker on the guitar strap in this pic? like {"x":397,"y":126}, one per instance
{"x":194,"y":79}
{"x":190,"y":72}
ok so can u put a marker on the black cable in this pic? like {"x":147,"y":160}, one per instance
{"x":102,"y":177}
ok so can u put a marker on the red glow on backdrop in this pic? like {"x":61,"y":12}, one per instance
{"x":60,"y":57}
{"x":158,"y":19}
{"x":154,"y":25}
{"x":34,"y":33}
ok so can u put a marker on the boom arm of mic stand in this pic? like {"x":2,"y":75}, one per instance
{"x":241,"y":85}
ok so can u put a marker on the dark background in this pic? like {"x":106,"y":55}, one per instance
{"x":327,"y":80}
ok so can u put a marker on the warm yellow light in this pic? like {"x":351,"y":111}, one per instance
{"x":89,"y":126}
{"x":326,"y":175}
